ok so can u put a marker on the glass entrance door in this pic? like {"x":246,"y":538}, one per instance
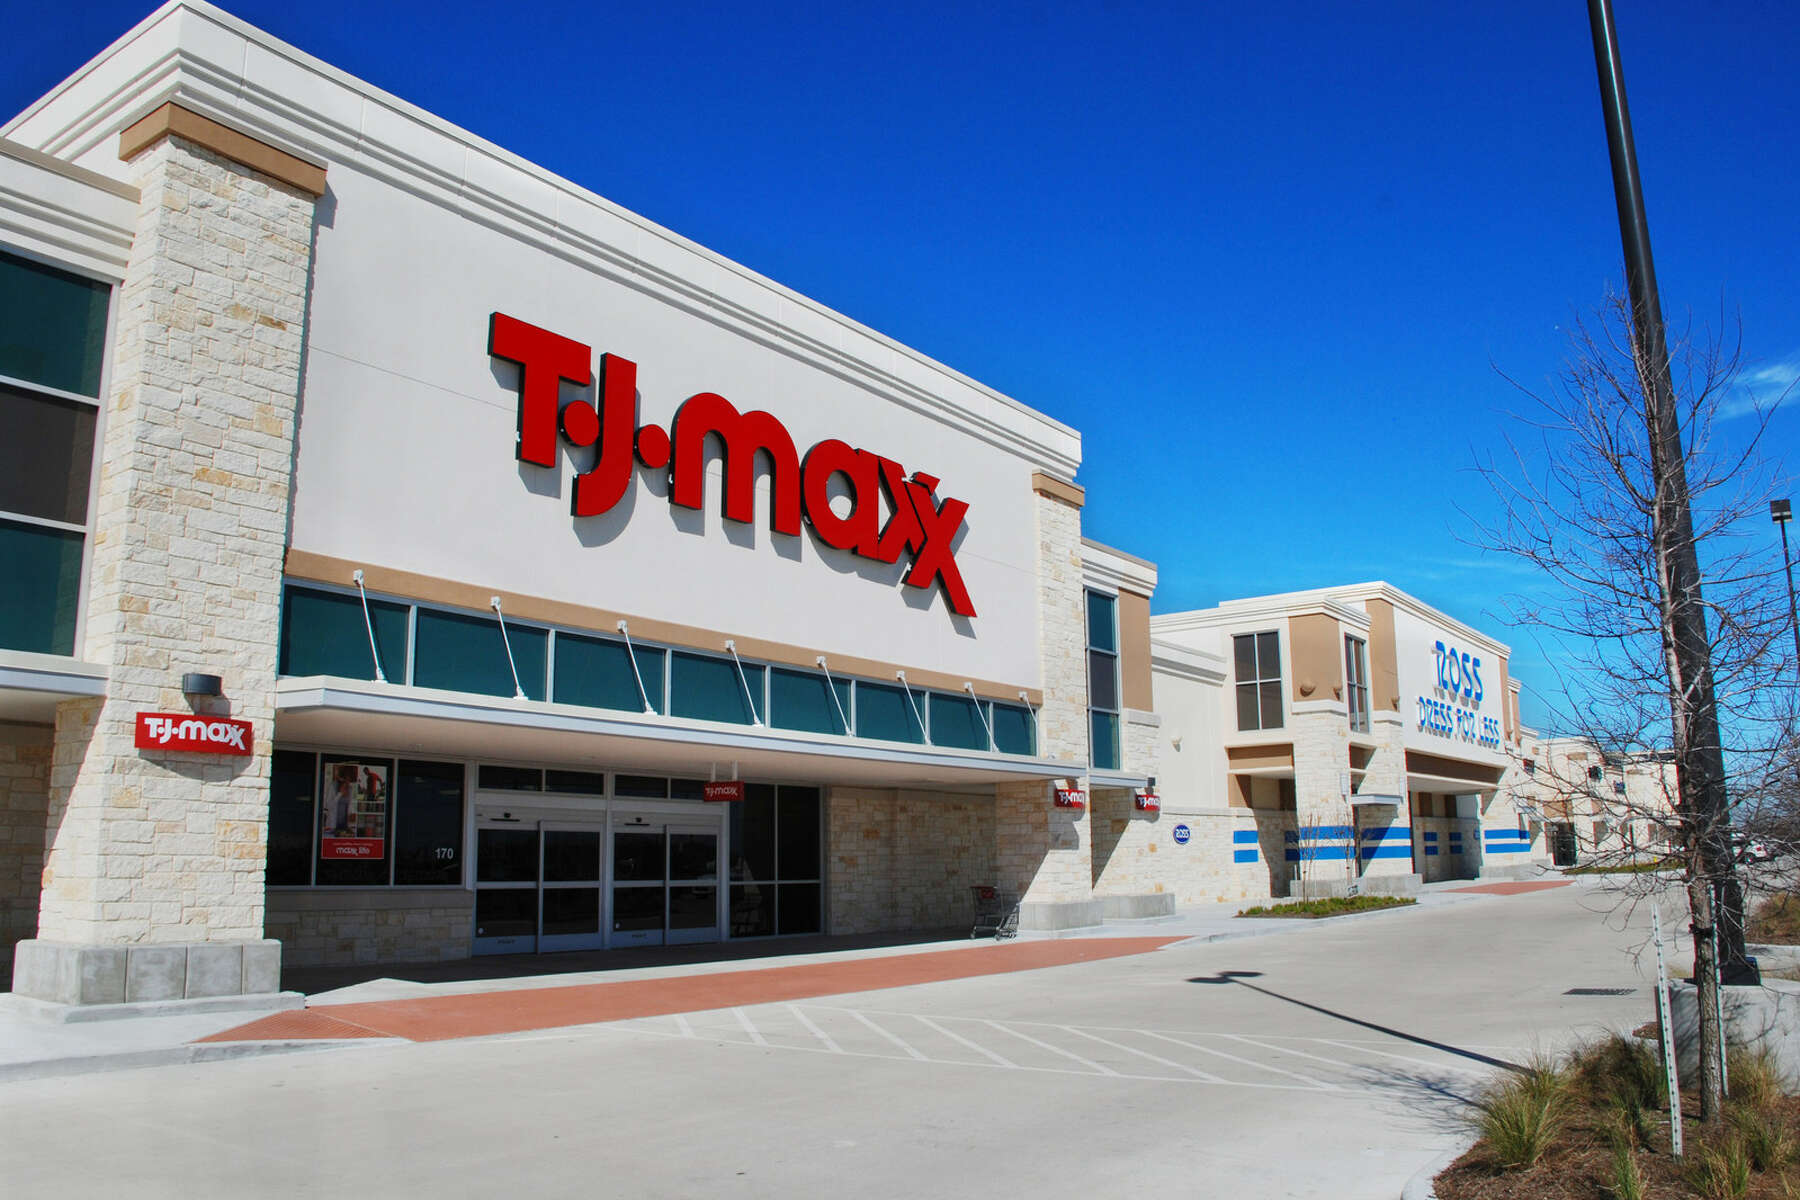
{"x":665,"y":882}
{"x":506,"y":887}
{"x":571,"y":888}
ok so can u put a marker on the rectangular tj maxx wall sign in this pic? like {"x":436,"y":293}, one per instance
{"x":919,"y":524}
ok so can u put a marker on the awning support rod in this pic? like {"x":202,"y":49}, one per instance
{"x":369,"y":625}
{"x":1037,"y":735}
{"x":831,"y":686}
{"x":505,"y":640}
{"x":731,"y":645}
{"x":917,"y":716}
{"x":986,"y":721}
{"x":631,"y":653}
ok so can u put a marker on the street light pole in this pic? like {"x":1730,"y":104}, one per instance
{"x":1781,"y":512}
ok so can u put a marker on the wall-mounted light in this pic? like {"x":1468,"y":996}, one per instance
{"x":196,"y":684}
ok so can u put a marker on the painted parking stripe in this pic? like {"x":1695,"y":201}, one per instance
{"x":1336,"y":1062}
{"x":743,"y":1021}
{"x":1167,"y":1062}
{"x":815,"y":1030}
{"x":1417,"y":1062}
{"x":884,"y":1033}
{"x":1002,"y":1060}
{"x":1086,"y":1062}
{"x":1308,"y":1080}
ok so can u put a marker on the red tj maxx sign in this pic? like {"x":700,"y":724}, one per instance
{"x":919,"y":525}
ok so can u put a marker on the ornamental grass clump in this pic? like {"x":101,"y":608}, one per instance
{"x":1520,"y":1115}
{"x":1722,"y":1171}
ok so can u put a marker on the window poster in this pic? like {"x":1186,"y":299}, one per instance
{"x":353,"y":810}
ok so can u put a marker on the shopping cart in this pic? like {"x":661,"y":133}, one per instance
{"x":995,"y":913}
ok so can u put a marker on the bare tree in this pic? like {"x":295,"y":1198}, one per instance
{"x":1588,"y":505}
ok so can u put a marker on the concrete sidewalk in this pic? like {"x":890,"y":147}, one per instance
{"x":350,"y":1008}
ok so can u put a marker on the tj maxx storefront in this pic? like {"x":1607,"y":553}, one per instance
{"x":417,"y":555}
{"x":413,"y":555}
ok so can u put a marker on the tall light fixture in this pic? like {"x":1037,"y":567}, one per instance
{"x":1781,"y":512}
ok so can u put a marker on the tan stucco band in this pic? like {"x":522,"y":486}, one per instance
{"x":1480,"y":776}
{"x":1250,"y":758}
{"x":305,"y":565}
{"x":172,"y":119}
{"x":1384,"y":660}
{"x":1058,"y":489}
{"x":1134,"y":651}
{"x":1318,"y":657}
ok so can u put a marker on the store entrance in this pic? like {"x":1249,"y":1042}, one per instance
{"x":665,"y":881}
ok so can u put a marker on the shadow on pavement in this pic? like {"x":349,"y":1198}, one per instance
{"x":1238,"y":977}
{"x":312,"y":980}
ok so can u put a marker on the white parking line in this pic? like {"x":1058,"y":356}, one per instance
{"x":681,"y":1023}
{"x":1418,"y":1062}
{"x":884,"y":1033}
{"x":1100,"y":1067}
{"x":750,"y":1029}
{"x":815,"y":1030}
{"x":1306,"y":1079}
{"x":1167,"y":1062}
{"x":975,"y":1046}
{"x":1336,"y":1062}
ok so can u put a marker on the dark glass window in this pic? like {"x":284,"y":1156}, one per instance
{"x":797,"y":833}
{"x":322,"y":633}
{"x":753,"y":835}
{"x":40,"y":588}
{"x":752,"y":910}
{"x":291,"y":792}
{"x":491,"y":777}
{"x":641,"y":787}
{"x":687,"y":789}
{"x":708,"y":689}
{"x":1356,"y":683}
{"x":885,"y":713}
{"x":463,"y":653}
{"x":46,"y":455}
{"x":575,"y":783}
{"x":803,"y":700}
{"x":596,"y":672}
{"x":1103,"y":622}
{"x":571,"y":910}
{"x":52,"y":326}
{"x":571,"y":856}
{"x":1103,"y":739}
{"x":356,"y":817}
{"x":1014,"y":730}
{"x":428,"y":823}
{"x":506,"y":912}
{"x":506,"y":855}
{"x":1257,"y":659}
{"x":1103,"y":680}
{"x":956,"y":721}
{"x":798,"y":908}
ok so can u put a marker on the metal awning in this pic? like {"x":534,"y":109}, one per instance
{"x":32,"y":685}
{"x":353,"y":714}
{"x":1362,"y":798}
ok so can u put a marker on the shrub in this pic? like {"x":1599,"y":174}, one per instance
{"x":1721,"y":1172}
{"x":1627,"y":1178}
{"x":1755,"y":1080}
{"x":1621,"y":1071}
{"x":1765,"y":1137}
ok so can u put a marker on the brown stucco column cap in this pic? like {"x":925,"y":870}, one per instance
{"x":224,"y":141}
{"x":1072,"y":494}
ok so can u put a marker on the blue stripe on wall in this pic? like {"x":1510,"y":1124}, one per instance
{"x":1510,"y":848}
{"x":1430,"y":836}
{"x":1322,"y":833}
{"x":1243,"y":856}
{"x":1390,"y":833}
{"x":1322,"y":854}
{"x":1369,"y":852}
{"x":1243,"y":837}
{"x":1503,"y":835}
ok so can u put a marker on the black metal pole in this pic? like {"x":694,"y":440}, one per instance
{"x":1793,"y":617}
{"x":1700,"y":754}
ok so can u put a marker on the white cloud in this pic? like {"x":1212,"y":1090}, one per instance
{"x":1762,"y":388}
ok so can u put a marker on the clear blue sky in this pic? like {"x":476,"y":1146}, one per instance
{"x":1265,"y":257}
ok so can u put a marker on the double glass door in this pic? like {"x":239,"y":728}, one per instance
{"x":665,"y":883}
{"x":545,"y":885}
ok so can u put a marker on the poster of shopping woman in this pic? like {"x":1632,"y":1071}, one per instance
{"x":353,"y":810}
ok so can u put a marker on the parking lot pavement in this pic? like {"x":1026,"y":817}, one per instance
{"x":1330,"y":1064}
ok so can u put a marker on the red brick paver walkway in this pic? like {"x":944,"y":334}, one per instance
{"x":1513,"y":889}
{"x":479,"y":1014}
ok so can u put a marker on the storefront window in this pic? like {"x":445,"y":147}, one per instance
{"x":753,"y":862}
{"x":596,"y":672}
{"x":776,"y":864}
{"x":291,"y":777}
{"x":323,"y":633}
{"x":428,"y":826}
{"x":492,"y":777}
{"x":1356,"y":683}
{"x":52,"y":340}
{"x":355,"y":814}
{"x":886,"y":714}
{"x":803,"y":700}
{"x":956,"y":722}
{"x":709,"y":689}
{"x":462,"y":653}
{"x":575,"y":783}
{"x":1014,"y":730}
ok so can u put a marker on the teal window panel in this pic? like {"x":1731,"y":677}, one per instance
{"x":708,"y":689}
{"x":40,"y":588}
{"x":803,"y":700}
{"x":1103,"y":746}
{"x":956,"y":722}
{"x":596,"y":672}
{"x":885,"y":713}
{"x":462,"y":653}
{"x":1014,"y":730}
{"x":1103,"y":622}
{"x":322,"y":633}
{"x":52,"y":326}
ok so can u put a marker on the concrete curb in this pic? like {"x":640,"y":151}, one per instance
{"x":1419,"y":1186}
{"x":163,"y":1056}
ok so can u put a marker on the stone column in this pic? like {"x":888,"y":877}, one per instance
{"x":1385,"y":828}
{"x":1044,"y":854}
{"x":153,"y":880}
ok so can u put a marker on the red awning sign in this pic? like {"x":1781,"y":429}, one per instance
{"x":1071,"y":798}
{"x":204,"y":735}
{"x":725,"y":792}
{"x":1148,"y":801}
